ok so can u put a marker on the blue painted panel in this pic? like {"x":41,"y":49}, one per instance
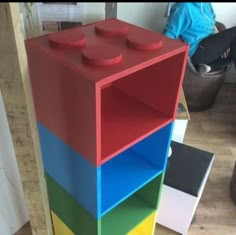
{"x":70,"y":170}
{"x":155,"y":147}
{"x":168,"y":144}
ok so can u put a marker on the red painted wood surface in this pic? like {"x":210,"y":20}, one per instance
{"x":100,"y":95}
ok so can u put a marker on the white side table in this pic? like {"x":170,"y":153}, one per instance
{"x":186,"y":175}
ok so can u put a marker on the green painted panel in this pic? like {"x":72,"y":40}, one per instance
{"x":150,"y":192}
{"x":160,"y":189}
{"x":78,"y":220}
{"x":125,"y":217}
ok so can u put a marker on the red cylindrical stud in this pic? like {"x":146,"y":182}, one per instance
{"x":144,"y":40}
{"x":102,"y":55}
{"x":67,"y":39}
{"x":111,"y":28}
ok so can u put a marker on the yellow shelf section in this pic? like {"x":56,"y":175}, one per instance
{"x":59,"y":227}
{"x":146,"y":227}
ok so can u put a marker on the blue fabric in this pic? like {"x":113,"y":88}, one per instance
{"x":190,"y":22}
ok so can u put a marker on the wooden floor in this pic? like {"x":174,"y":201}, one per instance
{"x":212,"y":130}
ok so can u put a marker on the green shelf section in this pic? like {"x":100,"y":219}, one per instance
{"x":120,"y":220}
{"x":132,"y":211}
{"x":75,"y":217}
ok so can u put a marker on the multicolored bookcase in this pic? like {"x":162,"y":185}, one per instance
{"x":106,"y":97}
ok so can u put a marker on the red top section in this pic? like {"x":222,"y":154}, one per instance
{"x":104,"y":87}
{"x":137,"y":46}
{"x":68,"y":39}
{"x":111,"y":28}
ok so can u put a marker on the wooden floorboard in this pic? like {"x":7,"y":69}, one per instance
{"x":212,"y":130}
{"x":25,"y":230}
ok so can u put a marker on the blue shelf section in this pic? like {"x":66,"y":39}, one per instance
{"x":70,"y":170}
{"x":134,"y":168}
{"x":101,"y":189}
{"x":123,"y":176}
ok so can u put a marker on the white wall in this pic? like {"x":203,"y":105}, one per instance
{"x":225,"y":13}
{"x":5,"y":228}
{"x":149,"y":15}
{"x":152,"y":15}
{"x":27,"y":29}
{"x":94,"y":11}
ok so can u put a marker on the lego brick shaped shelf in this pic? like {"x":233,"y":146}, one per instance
{"x":106,"y":97}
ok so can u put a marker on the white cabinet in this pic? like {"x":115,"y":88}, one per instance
{"x":185,"y":179}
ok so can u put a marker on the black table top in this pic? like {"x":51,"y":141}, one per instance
{"x":187,"y":168}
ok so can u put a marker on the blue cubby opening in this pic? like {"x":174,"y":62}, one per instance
{"x":135,"y":167}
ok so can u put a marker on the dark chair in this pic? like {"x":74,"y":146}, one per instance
{"x":233,"y":186}
{"x":201,"y":90}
